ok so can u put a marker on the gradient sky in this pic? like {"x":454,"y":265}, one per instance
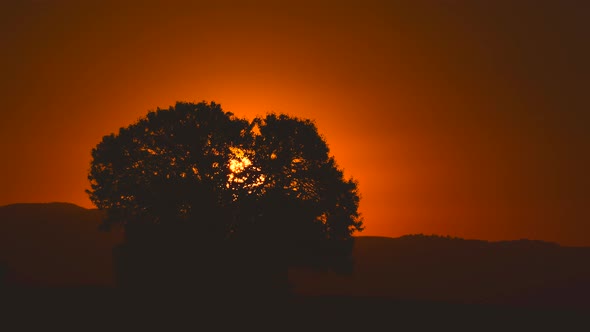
{"x":461,"y":118}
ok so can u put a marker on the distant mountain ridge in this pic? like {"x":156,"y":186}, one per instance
{"x":47,"y":204}
{"x":69,"y":208}
{"x":59,"y":244}
{"x":445,"y":269}
{"x":55,"y":244}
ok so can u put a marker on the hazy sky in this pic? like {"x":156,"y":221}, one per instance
{"x":466,"y":118}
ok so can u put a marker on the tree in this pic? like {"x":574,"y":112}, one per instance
{"x":167,"y":169}
{"x":304,"y":193}
{"x":195,"y":174}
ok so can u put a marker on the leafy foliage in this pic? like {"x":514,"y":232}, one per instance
{"x":196,"y":171}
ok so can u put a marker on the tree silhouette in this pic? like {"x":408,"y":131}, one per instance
{"x":193,"y":179}
{"x":304,"y":195}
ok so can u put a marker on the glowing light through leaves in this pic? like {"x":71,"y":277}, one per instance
{"x":243,"y":172}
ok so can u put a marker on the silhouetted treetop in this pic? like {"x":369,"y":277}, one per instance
{"x":216,"y":176}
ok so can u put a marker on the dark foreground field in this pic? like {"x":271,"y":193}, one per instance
{"x":58,"y":271}
{"x":107,"y":308}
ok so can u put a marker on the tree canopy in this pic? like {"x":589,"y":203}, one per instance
{"x":212,"y":175}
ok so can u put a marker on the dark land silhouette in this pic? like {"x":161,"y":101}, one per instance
{"x":57,"y":261}
{"x":55,"y":245}
{"x":201,"y":213}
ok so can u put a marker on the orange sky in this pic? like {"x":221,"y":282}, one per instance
{"x":455,"y":118}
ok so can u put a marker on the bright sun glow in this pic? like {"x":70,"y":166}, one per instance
{"x":240,"y":161}
{"x":238,"y":165}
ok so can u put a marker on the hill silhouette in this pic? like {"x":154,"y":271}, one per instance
{"x":58,"y":248}
{"x":55,"y":244}
{"x":434,"y":268}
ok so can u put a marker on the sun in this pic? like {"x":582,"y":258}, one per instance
{"x":238,"y":164}
{"x":239,"y":161}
